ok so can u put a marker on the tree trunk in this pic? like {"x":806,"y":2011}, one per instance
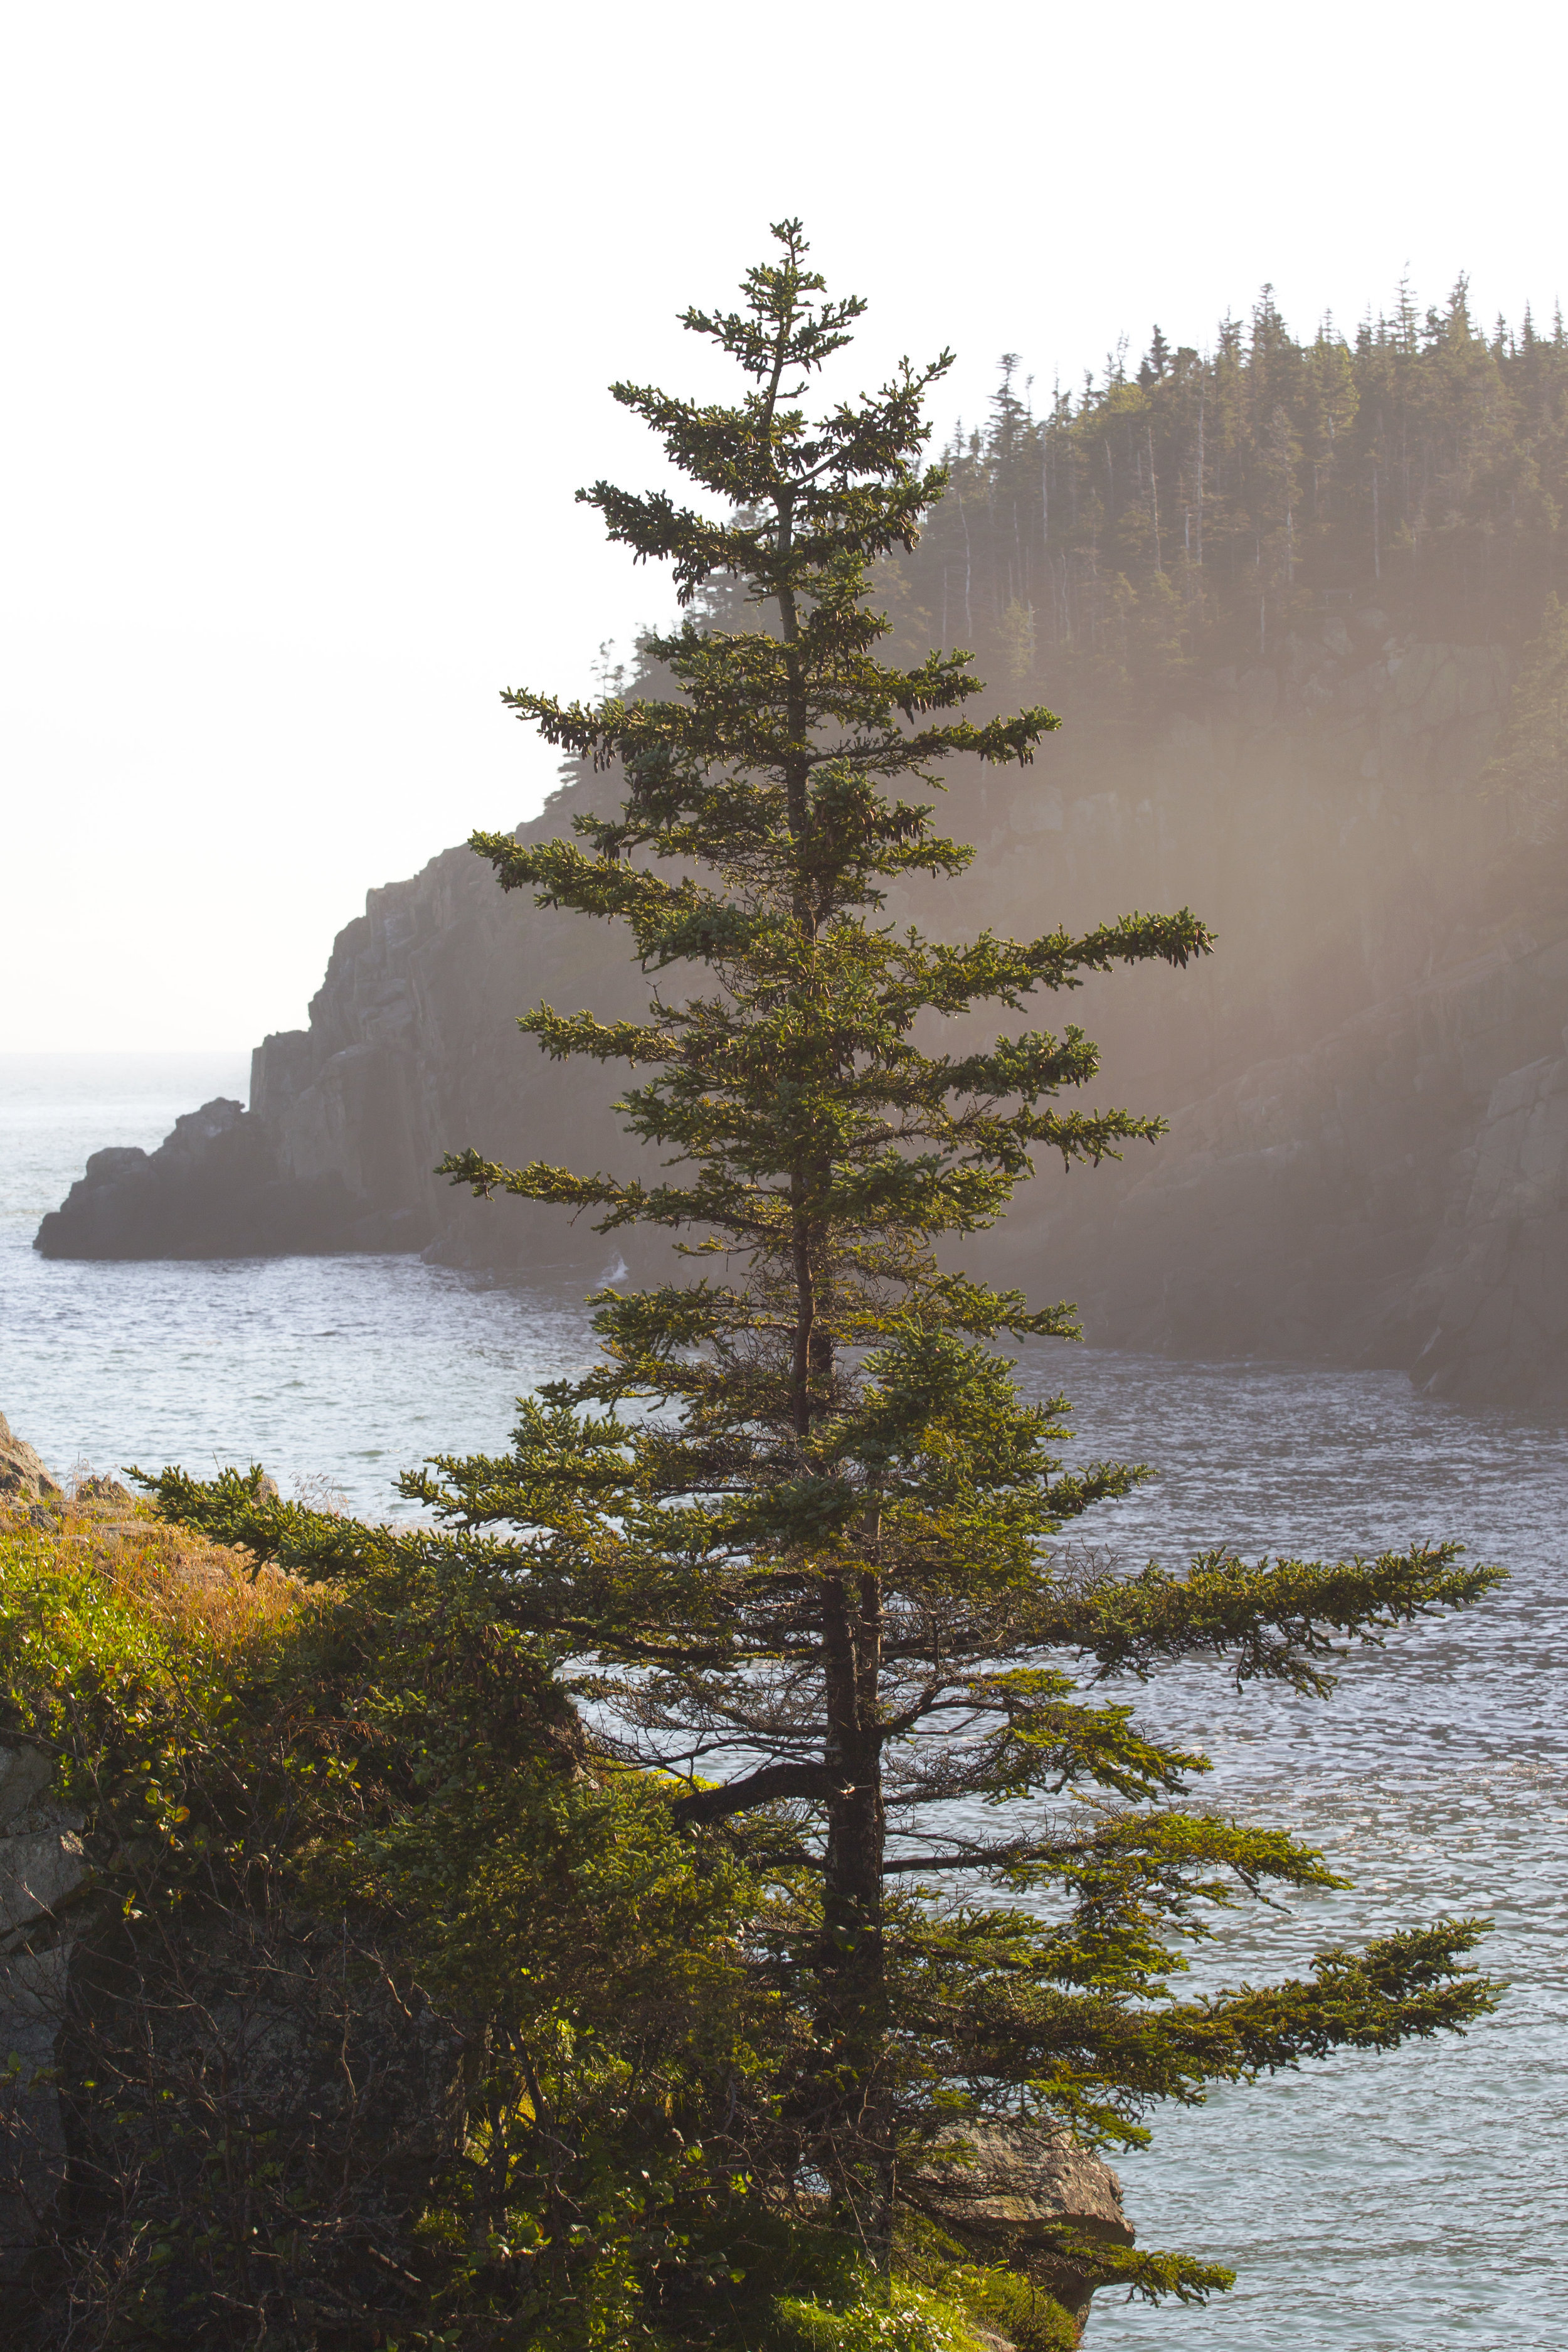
{"x":852,"y":2000}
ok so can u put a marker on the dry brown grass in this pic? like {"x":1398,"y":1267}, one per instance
{"x":215,"y":1592}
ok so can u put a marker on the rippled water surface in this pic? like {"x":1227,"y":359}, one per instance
{"x":1411,"y":2200}
{"x":345,"y":1370}
{"x":1395,"y":2204}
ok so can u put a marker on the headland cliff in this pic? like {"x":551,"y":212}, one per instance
{"x":1367,"y":1084}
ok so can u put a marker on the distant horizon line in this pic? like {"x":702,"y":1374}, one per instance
{"x":125,"y":1053}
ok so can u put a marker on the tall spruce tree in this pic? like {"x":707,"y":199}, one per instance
{"x":797,"y":1526}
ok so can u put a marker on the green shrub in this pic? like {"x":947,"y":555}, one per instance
{"x":889,"y":2317}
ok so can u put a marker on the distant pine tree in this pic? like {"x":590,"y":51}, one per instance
{"x":796,"y":1526}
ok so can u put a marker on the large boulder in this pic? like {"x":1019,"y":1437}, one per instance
{"x":24,"y":1476}
{"x":1028,"y":2195}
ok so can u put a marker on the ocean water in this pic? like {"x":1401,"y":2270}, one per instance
{"x":336,"y":1372}
{"x":1394,"y":2204}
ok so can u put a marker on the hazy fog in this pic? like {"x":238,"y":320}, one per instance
{"x":310,"y":311}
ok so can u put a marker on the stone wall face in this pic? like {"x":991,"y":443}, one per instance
{"x":43,"y":1874}
{"x":1368,"y":1159}
{"x":413,"y":1051}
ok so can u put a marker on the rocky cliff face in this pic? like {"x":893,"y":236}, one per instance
{"x":1368,"y":1159}
{"x":412,"y":1050}
{"x":1346,"y":1201}
{"x":1367,"y":1084}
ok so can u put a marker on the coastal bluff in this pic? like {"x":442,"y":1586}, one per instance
{"x":411,"y":1051}
{"x":1366,"y":1085}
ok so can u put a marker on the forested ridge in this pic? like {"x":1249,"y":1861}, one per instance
{"x":1193,"y":510}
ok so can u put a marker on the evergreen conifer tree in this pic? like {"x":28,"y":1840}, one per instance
{"x":797,"y":1525}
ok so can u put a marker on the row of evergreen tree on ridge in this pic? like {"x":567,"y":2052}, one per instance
{"x":1202,"y":507}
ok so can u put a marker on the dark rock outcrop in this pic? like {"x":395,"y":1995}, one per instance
{"x":318,"y":2098}
{"x":302,"y":2081}
{"x":1368,"y":1163}
{"x":45,"y":1876}
{"x":217,"y":1187}
{"x":1487,"y":1315}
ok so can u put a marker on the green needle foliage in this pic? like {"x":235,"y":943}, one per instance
{"x":796,"y":1525}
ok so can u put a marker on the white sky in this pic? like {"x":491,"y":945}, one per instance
{"x":310,"y":308}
